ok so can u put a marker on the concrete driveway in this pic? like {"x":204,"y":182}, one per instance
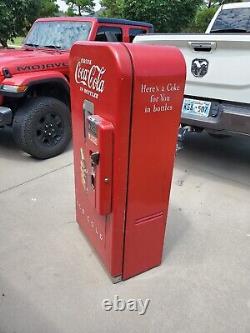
{"x":51,"y":281}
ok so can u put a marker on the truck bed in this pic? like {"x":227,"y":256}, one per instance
{"x":228,"y":56}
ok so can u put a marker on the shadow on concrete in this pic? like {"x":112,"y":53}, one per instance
{"x":227,"y":158}
{"x":6,"y":138}
{"x":228,"y":149}
{"x":177,"y":226}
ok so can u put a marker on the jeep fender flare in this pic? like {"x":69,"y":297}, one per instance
{"x":27,"y":81}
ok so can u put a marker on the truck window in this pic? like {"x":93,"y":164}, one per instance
{"x":135,"y":32}
{"x":232,"y":20}
{"x":109,"y":34}
{"x":59,"y":34}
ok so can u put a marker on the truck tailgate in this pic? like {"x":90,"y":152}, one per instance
{"x":228,"y":57}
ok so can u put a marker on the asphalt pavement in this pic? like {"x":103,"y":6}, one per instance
{"x":52,"y":282}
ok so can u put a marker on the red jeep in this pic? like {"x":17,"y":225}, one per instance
{"x":34,"y":80}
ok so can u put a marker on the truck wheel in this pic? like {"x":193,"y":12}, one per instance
{"x":42,"y":127}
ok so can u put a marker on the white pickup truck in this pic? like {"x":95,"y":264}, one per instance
{"x":217,"y":94}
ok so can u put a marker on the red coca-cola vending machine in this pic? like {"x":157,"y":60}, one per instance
{"x":126,"y":104}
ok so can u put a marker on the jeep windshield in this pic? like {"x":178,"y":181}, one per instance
{"x":232,"y":20}
{"x":57,"y":34}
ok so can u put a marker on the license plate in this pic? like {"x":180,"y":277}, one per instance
{"x":196,"y":107}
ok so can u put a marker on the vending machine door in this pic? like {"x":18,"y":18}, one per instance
{"x":101,"y":90}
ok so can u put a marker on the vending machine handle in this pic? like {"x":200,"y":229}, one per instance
{"x":100,"y":136}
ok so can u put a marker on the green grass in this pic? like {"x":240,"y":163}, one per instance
{"x":16,"y":41}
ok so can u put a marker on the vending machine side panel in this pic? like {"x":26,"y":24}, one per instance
{"x":159,"y":79}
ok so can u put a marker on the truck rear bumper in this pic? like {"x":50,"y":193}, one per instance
{"x":5,"y":116}
{"x":224,"y":117}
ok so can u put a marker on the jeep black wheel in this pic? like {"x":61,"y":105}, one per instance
{"x":49,"y":129}
{"x":42,"y":127}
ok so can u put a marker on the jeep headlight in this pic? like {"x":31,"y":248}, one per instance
{"x":12,"y":89}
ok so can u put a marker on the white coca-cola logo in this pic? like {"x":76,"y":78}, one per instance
{"x":90,"y":75}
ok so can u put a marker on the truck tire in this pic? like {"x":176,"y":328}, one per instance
{"x":219,"y":136}
{"x":42,"y":127}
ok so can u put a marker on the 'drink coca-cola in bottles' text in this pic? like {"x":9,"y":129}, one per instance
{"x":90,"y":76}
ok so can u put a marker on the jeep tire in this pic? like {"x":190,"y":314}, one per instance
{"x":42,"y":127}
{"x":219,"y":136}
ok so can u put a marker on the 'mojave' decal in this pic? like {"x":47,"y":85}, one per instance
{"x":27,"y":68}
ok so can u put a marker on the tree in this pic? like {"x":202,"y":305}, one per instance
{"x":214,"y":3}
{"x":166,"y":15}
{"x":13,"y":18}
{"x":41,"y":8}
{"x":18,"y":15}
{"x":70,"y":12}
{"x":80,"y":6}
{"x":205,"y":14}
{"x":48,"y":8}
{"x":201,"y":20}
{"x":113,"y":8}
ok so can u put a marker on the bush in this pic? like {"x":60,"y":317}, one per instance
{"x":202,"y":19}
